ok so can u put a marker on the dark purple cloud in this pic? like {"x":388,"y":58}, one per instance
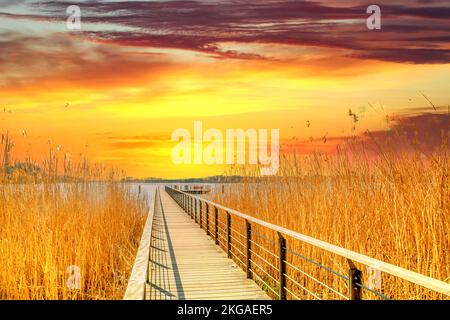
{"x":425,"y":132}
{"x":412,"y":31}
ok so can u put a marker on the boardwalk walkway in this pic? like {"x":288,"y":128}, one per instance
{"x":177,"y":260}
{"x":186,"y":264}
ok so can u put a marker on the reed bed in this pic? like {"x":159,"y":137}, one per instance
{"x":66,"y":236}
{"x":392,"y":206}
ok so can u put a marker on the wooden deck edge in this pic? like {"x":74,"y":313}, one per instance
{"x":139,"y":274}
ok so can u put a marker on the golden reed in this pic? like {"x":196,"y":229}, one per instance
{"x":392,"y":206}
{"x":51,"y":222}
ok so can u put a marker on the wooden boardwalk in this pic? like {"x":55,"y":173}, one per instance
{"x":177,"y":260}
{"x":186,"y":264}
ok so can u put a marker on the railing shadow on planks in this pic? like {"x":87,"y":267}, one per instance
{"x":269,"y":254}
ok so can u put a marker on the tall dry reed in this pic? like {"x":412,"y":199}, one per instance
{"x":392,"y":206}
{"x":53,"y":225}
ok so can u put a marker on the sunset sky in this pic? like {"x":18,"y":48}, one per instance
{"x":137,"y":70}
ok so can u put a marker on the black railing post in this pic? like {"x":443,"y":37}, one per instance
{"x":248,"y":256}
{"x":228,"y":235}
{"x":195,"y":210}
{"x":200,"y":212}
{"x":216,"y":225}
{"x":282,"y":266}
{"x":207,"y":218}
{"x":354,"y":282}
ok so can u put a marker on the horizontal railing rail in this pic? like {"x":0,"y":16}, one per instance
{"x":139,"y":274}
{"x":265,"y":259}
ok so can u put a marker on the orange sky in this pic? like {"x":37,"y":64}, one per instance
{"x":127,"y":94}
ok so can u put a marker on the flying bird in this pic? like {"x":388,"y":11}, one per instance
{"x":308,"y":124}
{"x":325,"y":139}
{"x":24,"y":132}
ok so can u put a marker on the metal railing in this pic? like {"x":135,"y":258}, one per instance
{"x":266,"y":252}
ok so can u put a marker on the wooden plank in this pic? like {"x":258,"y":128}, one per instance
{"x":188,"y":265}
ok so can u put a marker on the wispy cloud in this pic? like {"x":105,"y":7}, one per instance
{"x":422,"y":28}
